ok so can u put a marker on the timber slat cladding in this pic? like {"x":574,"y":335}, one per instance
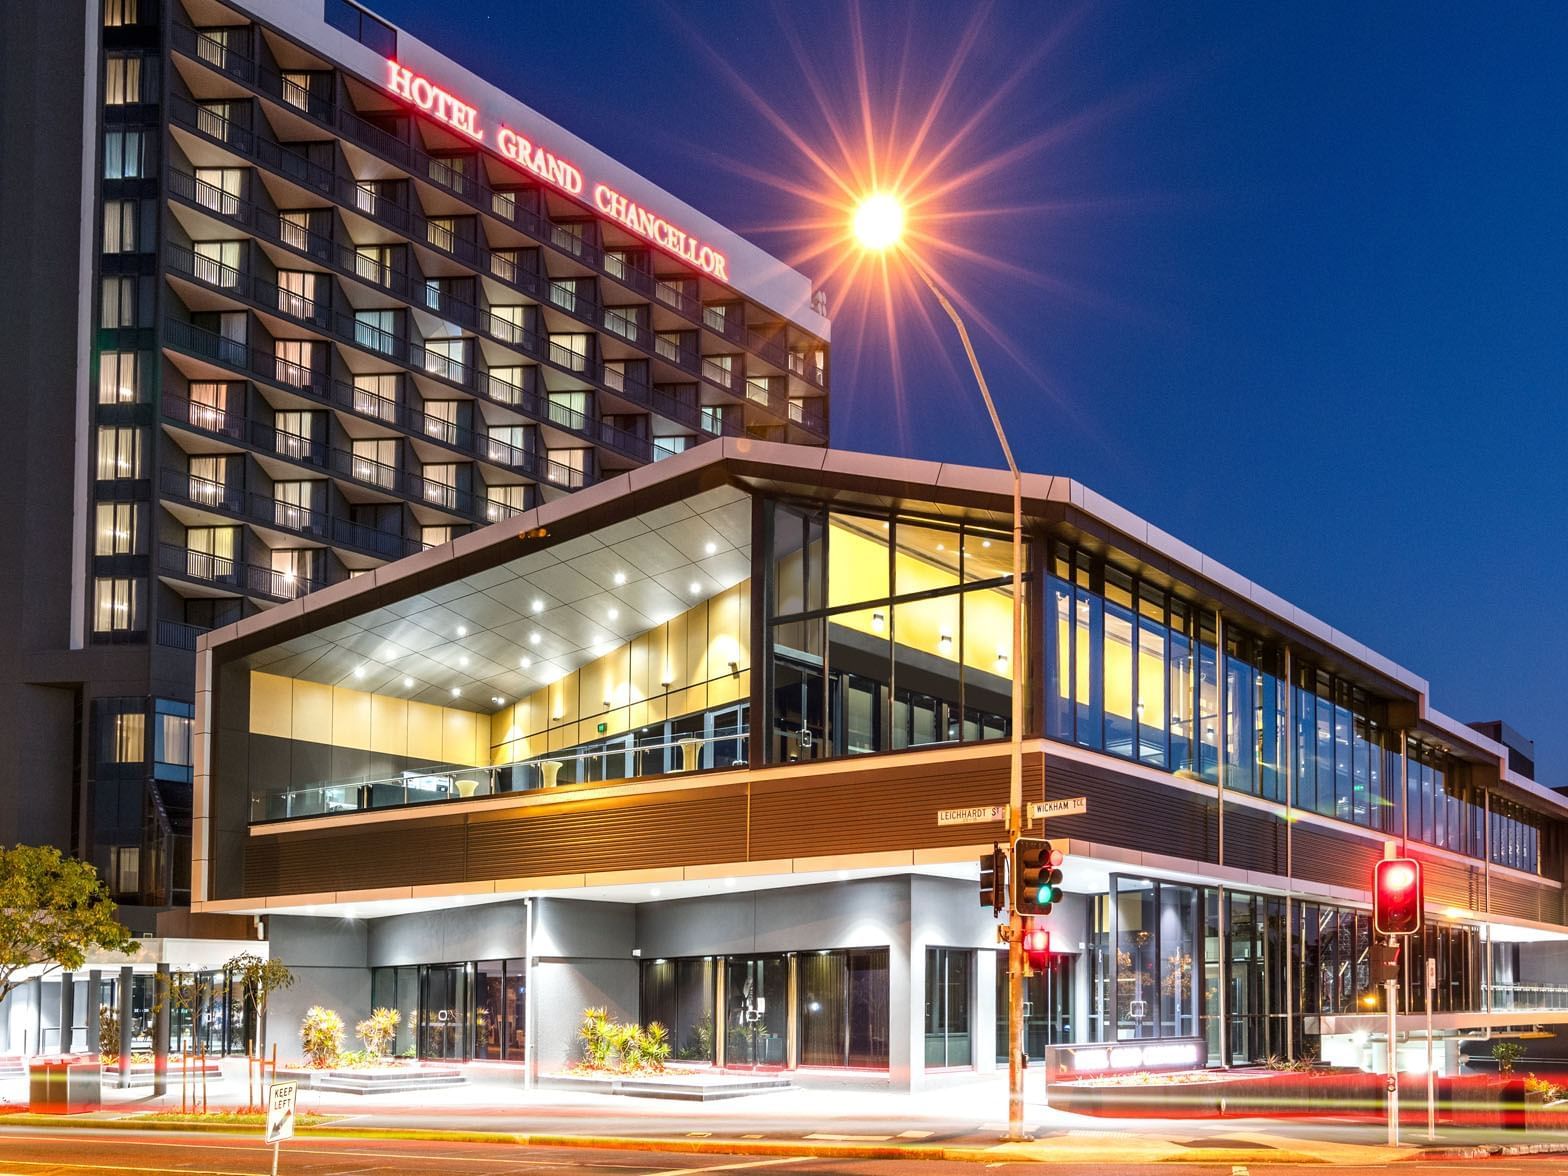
{"x":414,"y":854}
{"x":1127,"y":811}
{"x":880,"y":808}
{"x":1254,"y":839}
{"x":1320,"y":855}
{"x":632,"y":833}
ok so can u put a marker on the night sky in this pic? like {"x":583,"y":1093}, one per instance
{"x":1290,"y":281}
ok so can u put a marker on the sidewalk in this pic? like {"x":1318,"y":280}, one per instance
{"x":956,"y":1122}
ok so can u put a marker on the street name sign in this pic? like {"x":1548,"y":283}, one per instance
{"x":1072,"y":806}
{"x":982,"y":814}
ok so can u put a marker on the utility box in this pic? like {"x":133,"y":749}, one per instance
{"x":64,"y":1086}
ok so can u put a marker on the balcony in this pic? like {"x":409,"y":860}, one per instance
{"x":220,"y":572}
{"x":441,"y":784}
{"x":265,"y":511}
{"x":564,"y":239}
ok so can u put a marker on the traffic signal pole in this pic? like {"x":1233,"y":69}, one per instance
{"x":1015,"y":782}
{"x":1390,"y":999}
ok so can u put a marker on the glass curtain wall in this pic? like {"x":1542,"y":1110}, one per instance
{"x":843,"y":1008}
{"x":679,"y":994}
{"x":885,"y":634}
{"x":1144,"y":984}
{"x":456,"y":1011}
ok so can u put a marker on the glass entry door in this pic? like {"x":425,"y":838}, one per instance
{"x":443,"y":1011}
{"x":756,"y":1011}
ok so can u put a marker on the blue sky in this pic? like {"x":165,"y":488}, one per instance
{"x":1291,"y":281}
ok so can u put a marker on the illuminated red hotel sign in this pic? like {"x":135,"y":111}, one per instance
{"x":549,"y":167}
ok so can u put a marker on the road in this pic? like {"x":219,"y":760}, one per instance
{"x":45,"y":1152}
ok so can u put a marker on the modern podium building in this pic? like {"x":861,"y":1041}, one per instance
{"x":290,"y":295}
{"x":677,"y":745}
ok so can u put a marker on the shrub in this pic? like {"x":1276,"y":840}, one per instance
{"x":379,"y":1030}
{"x":108,"y":1034}
{"x":1542,"y":1086}
{"x":321,"y":1035}
{"x":622,"y":1047}
{"x":1507,"y":1053}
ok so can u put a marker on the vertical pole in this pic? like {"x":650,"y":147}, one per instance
{"x":275,"y":1147}
{"x":1431,"y":1081}
{"x":1486,"y":850}
{"x":1015,"y":791}
{"x":160,"y":1031}
{"x":67,"y":1012}
{"x":124,"y":992}
{"x":1288,"y":749}
{"x":1391,"y":997}
{"x":1015,"y":816}
{"x":94,"y":996}
{"x":1222,"y":944}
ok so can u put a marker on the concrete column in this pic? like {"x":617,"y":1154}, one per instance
{"x":37,"y":1044}
{"x":906,"y":995}
{"x":123,"y":992}
{"x":162,"y":995}
{"x":94,"y":994}
{"x":1083,"y":994}
{"x":67,"y":1011}
{"x":982,"y":1024}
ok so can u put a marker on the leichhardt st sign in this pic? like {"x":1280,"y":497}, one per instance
{"x":550,"y":168}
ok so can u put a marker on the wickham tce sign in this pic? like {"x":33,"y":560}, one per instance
{"x":552,"y":169}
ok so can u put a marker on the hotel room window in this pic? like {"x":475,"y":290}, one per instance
{"x":117,"y":604}
{"x":118,"y":529}
{"x":119,"y":453}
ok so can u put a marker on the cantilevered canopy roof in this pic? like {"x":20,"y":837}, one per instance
{"x":496,"y":634}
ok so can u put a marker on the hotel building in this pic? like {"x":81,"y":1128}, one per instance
{"x":678,"y":745}
{"x":291,"y":295}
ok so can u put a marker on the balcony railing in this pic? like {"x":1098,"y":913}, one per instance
{"x":178,"y":635}
{"x":222,"y":572}
{"x":1528,"y":997}
{"x":452,"y":782}
{"x":568,"y":239}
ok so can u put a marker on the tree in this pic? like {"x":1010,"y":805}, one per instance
{"x":259,"y":979}
{"x":54,"y":910}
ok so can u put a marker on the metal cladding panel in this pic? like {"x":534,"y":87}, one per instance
{"x":1321,"y":855}
{"x":407,"y":854}
{"x":628,"y":833}
{"x":1451,"y":884}
{"x":1254,"y":839}
{"x":1523,"y":900}
{"x":829,"y":813}
{"x":1131,"y":812}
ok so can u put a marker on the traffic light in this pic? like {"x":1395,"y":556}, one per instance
{"x":1396,"y":896}
{"x":1037,"y":876}
{"x":1037,"y":947}
{"x":993,"y":879}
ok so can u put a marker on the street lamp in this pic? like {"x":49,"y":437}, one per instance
{"x":878,"y":226}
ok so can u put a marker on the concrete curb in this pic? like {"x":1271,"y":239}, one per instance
{"x":826,"y":1149}
{"x":1487,"y":1151}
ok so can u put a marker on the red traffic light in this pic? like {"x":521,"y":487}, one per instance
{"x":1396,"y":896}
{"x":1037,"y":947}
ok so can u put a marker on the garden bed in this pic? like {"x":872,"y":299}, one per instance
{"x":391,"y":1078}
{"x":692,"y":1085}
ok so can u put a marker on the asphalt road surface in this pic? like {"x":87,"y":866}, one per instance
{"x":43,"y":1152}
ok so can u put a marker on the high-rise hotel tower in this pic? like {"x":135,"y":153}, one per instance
{"x":289,"y":295}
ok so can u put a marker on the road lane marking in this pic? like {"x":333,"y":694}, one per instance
{"x":836,"y":1138}
{"x":916,"y":1134}
{"x":317,"y":1146}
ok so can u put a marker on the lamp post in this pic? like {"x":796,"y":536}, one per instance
{"x":878,"y":226}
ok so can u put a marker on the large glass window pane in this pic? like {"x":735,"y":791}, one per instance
{"x":1208,"y":711}
{"x":858,"y":654}
{"x":949,"y":983}
{"x":1181,"y":703}
{"x":798,"y":565}
{"x":926,"y":558}
{"x":1118,"y":686}
{"x":1240,"y":726}
{"x":1137,"y":960}
{"x":857,"y":560}
{"x":926,"y":669}
{"x":1059,"y":660}
{"x":989,"y":675}
{"x":1153,"y":719}
{"x":1088,"y":629}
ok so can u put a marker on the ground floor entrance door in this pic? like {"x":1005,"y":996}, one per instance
{"x":756,"y":1012}
{"x":443,"y":1012}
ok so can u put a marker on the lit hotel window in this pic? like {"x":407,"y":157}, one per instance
{"x":117,"y":377}
{"x":119,"y":226}
{"x":117,"y":604}
{"x":119,"y":13}
{"x":118,"y":529}
{"x":119,"y":453}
